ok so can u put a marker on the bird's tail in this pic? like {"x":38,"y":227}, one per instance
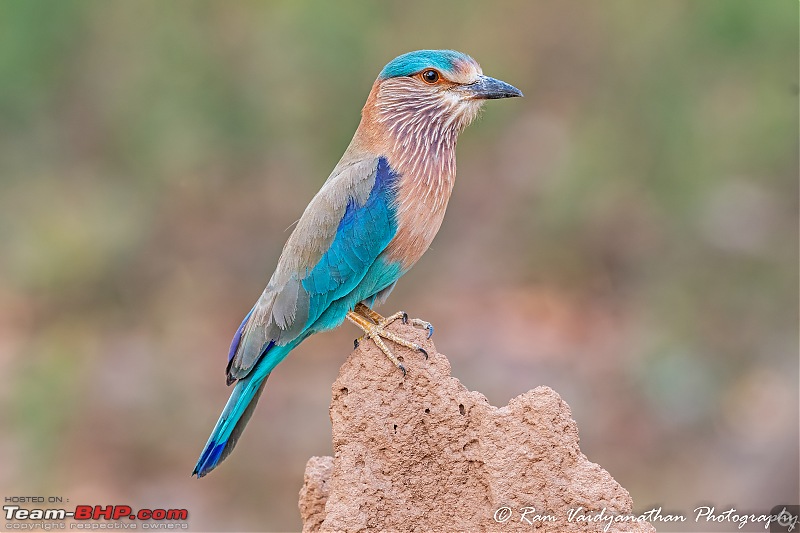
{"x":231,"y":423}
{"x":239,"y":408}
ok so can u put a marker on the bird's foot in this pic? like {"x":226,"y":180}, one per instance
{"x":374,"y":327}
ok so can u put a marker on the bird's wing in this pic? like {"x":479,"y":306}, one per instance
{"x":341,"y":233}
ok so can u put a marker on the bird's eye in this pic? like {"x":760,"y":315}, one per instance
{"x":430,"y":76}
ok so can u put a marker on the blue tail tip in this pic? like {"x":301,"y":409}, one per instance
{"x":209,"y":459}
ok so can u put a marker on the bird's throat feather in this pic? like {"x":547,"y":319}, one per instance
{"x":419,"y":132}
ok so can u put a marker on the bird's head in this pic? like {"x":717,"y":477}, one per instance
{"x":432,"y":93}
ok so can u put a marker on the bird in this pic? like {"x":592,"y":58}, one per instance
{"x":371,"y":221}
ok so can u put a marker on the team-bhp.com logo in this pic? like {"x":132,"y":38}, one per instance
{"x":94,"y":512}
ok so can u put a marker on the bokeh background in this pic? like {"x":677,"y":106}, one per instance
{"x":626,"y":234}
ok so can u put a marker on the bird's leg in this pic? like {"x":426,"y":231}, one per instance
{"x":374,"y":327}
{"x":366,"y":312}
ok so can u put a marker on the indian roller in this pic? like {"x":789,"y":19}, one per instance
{"x":371,"y":221}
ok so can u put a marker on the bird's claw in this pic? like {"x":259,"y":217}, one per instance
{"x":421,"y":349}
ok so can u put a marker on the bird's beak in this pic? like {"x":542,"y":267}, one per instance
{"x":486,"y":88}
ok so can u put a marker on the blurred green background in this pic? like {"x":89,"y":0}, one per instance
{"x":626,"y":234}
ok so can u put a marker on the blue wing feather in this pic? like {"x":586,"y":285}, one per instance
{"x":238,"y":336}
{"x":363,"y":231}
{"x":362,"y":234}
